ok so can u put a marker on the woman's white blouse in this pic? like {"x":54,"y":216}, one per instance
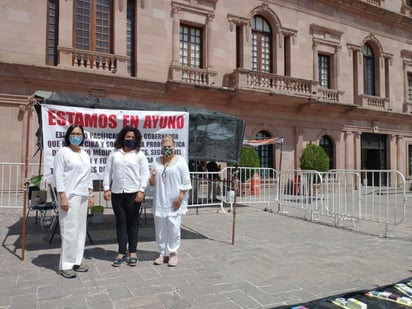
{"x":72,"y":173}
{"x":170,"y":180}
{"x":126,"y":172}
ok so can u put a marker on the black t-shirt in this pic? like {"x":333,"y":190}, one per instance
{"x":213,"y":167}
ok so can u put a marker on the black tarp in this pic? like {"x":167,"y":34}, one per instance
{"x":212,"y":135}
{"x":371,"y":302}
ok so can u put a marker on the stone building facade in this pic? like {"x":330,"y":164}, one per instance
{"x":334,"y":72}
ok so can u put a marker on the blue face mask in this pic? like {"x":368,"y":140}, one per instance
{"x":75,"y":140}
{"x":129,"y":143}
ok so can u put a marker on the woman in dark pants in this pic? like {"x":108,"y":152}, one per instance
{"x":125,"y":180}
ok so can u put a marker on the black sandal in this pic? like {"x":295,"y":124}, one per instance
{"x":132,"y":261}
{"x":118,"y":261}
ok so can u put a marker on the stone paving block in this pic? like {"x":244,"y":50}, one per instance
{"x":276,"y":260}
{"x":173,"y":300}
{"x":119,"y":290}
{"x":5,"y":301}
{"x":242,"y":299}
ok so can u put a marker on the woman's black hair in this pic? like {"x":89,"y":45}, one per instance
{"x":118,"y":143}
{"x":69,"y":131}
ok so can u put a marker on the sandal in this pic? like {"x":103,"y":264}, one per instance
{"x":132,"y":261}
{"x":118,"y":261}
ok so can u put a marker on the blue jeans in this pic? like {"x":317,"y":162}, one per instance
{"x":126,"y":211}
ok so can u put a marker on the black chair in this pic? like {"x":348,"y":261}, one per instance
{"x":55,"y":223}
{"x":37,"y":201}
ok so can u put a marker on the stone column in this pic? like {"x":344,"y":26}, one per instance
{"x":402,"y":158}
{"x":349,"y":151}
{"x":298,"y":145}
{"x":66,"y":33}
{"x":247,"y":46}
{"x":210,"y":41}
{"x":315,"y":61}
{"x":279,"y":57}
{"x":358,"y":150}
{"x":120,"y":43}
{"x":337,"y":68}
{"x":175,"y":36}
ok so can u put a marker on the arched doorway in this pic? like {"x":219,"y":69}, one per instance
{"x":374,"y":156}
{"x":265,"y":152}
{"x":327,"y":145}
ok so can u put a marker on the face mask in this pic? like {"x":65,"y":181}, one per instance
{"x":167,"y":152}
{"x":76,"y":140}
{"x":130,"y":143}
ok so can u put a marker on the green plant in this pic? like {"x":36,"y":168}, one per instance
{"x":97,"y":209}
{"x":248,"y":158}
{"x":315,"y":158}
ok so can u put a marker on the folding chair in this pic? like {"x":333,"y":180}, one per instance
{"x":55,"y":223}
{"x":37,"y":201}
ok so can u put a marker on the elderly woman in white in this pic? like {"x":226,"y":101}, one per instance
{"x":171,"y":177}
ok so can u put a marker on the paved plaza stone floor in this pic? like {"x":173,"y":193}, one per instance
{"x":276,"y":260}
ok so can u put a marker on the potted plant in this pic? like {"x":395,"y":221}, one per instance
{"x":314,"y":158}
{"x":97,"y":212}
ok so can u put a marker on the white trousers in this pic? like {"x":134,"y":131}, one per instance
{"x":167,"y":231}
{"x":73,"y":225}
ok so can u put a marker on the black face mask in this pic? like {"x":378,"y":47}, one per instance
{"x":130,"y":143}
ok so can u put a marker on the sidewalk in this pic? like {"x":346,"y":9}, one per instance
{"x":276,"y":260}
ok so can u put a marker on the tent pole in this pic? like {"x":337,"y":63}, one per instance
{"x":235,"y":184}
{"x":26,"y":172}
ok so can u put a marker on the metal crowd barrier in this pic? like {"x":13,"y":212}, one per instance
{"x":353,"y":196}
{"x":246,"y":185}
{"x":300,"y":189}
{"x":377,"y":196}
{"x":12,"y":183}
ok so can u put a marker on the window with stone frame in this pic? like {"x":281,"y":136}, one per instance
{"x":261,"y":45}
{"x":191,"y":46}
{"x":409,"y":160}
{"x":324,"y":70}
{"x":410,"y":86}
{"x":52,"y":31}
{"x":93,"y":22}
{"x":131,"y":37}
{"x":368,"y":70}
{"x":326,"y":46}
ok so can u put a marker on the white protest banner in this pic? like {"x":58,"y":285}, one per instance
{"x":101,"y":127}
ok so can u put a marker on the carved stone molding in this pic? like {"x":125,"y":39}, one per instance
{"x":236,"y":21}
{"x":406,"y":54}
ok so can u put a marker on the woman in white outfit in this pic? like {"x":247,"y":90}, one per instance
{"x":72,"y":177}
{"x":171,"y":177}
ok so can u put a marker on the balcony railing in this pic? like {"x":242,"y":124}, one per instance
{"x":246,"y":79}
{"x":90,"y":60}
{"x":194,"y":76}
{"x":331,"y":95}
{"x":375,"y":2}
{"x":373,"y":102}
